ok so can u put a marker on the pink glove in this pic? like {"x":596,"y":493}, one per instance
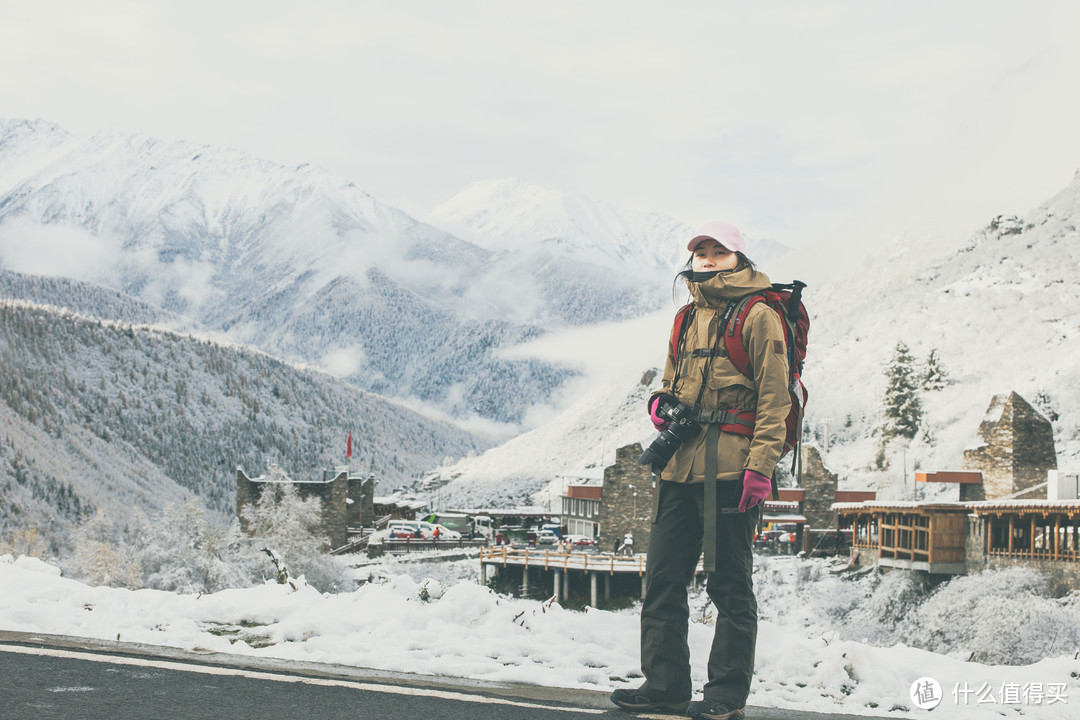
{"x":755,"y":488}
{"x":658,"y":422}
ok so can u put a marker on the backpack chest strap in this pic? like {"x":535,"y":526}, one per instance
{"x":732,"y":421}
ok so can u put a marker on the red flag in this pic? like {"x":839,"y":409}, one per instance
{"x":348,"y":446}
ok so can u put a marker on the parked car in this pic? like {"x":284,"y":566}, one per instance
{"x":546,"y":537}
{"x":781,"y":533}
{"x":581,"y":542}
{"x":405,"y":529}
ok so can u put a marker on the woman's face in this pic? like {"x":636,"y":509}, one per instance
{"x":711,"y":255}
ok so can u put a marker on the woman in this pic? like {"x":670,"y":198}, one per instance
{"x":710,"y":491}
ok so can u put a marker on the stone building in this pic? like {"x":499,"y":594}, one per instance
{"x":1001,"y":518}
{"x":621,"y":504}
{"x":820,"y":487}
{"x":347,"y":500}
{"x":1017,"y":450}
{"x":627,"y":500}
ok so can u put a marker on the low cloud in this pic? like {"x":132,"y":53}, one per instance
{"x":59,"y":250}
{"x":344,"y":361}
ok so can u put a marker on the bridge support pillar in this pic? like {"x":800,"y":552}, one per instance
{"x":592,"y":590}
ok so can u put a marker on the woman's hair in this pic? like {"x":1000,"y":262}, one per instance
{"x":744,"y":262}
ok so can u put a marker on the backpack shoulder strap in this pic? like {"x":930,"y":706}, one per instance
{"x":679,"y":328}
{"x":733,"y":341}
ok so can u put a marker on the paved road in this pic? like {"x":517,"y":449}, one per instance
{"x":45,"y":677}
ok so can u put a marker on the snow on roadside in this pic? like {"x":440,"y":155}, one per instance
{"x":466,"y":630}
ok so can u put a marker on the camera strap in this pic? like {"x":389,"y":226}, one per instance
{"x":716,"y":421}
{"x":712,"y":437}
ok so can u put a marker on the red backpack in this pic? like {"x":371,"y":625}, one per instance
{"x":786,"y":300}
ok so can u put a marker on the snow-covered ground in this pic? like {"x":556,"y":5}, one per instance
{"x":435,"y":618}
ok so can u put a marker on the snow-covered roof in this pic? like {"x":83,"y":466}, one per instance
{"x":972,"y":505}
{"x":782,"y":504}
{"x":897,"y":505}
{"x":1071,"y":505}
{"x":788,"y":518}
{"x":408,"y":503}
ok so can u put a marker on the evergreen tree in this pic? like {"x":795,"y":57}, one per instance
{"x":934,"y":376}
{"x":902,"y":406}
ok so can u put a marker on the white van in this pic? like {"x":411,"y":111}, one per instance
{"x":404,"y":528}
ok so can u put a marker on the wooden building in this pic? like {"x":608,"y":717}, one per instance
{"x":1029,"y":529}
{"x":914,"y":536}
{"x":958,"y":538}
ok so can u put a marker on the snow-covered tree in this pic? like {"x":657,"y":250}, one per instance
{"x":902,"y":408}
{"x":187,"y":551}
{"x":24,"y":541}
{"x":1044,"y":403}
{"x":934,"y":375}
{"x":100,"y":558}
{"x":289,"y":525}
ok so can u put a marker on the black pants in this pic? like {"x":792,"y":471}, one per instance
{"x":674,"y":549}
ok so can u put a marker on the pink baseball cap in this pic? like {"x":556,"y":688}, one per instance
{"x":727,"y":235}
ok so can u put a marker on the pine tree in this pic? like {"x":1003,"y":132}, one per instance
{"x":902,"y":406}
{"x":934,"y":376}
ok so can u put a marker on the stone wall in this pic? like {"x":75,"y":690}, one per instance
{"x":1017,"y":450}
{"x":620,"y":511}
{"x":361,"y":510}
{"x":820,"y":486}
{"x":332,"y":494}
{"x":1063,"y":576}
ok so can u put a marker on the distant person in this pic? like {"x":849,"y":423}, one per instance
{"x":729,"y":461}
{"x":628,"y":544}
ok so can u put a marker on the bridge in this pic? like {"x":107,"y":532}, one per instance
{"x":562,"y":568}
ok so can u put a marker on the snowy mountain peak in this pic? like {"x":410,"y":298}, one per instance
{"x":511,"y":213}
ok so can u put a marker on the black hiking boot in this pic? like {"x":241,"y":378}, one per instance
{"x":710,"y":710}
{"x":638,"y":701}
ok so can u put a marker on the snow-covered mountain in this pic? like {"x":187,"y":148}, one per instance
{"x":97,"y":414}
{"x":303,"y":264}
{"x":510,"y":214}
{"x":999,"y":308}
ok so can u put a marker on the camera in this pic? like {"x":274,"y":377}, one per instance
{"x":681,"y":427}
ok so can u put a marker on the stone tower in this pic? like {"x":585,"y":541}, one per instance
{"x":1017,"y":449}
{"x":820,"y":486}
{"x":627,"y":500}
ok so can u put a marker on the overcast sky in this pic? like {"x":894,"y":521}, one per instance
{"x":792,"y":119}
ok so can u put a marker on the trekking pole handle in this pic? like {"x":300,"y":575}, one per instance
{"x":796,"y":297}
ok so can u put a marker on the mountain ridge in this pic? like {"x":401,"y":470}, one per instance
{"x":103,"y":414}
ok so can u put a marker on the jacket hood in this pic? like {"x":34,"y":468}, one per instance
{"x":725,"y":287}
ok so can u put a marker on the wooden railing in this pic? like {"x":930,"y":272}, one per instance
{"x":560,"y":560}
{"x":406,"y":545}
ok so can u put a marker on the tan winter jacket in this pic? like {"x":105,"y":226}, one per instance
{"x":727,"y":388}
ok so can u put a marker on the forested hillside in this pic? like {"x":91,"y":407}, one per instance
{"x":306,"y":266}
{"x":88,"y":299}
{"x":102,"y":414}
